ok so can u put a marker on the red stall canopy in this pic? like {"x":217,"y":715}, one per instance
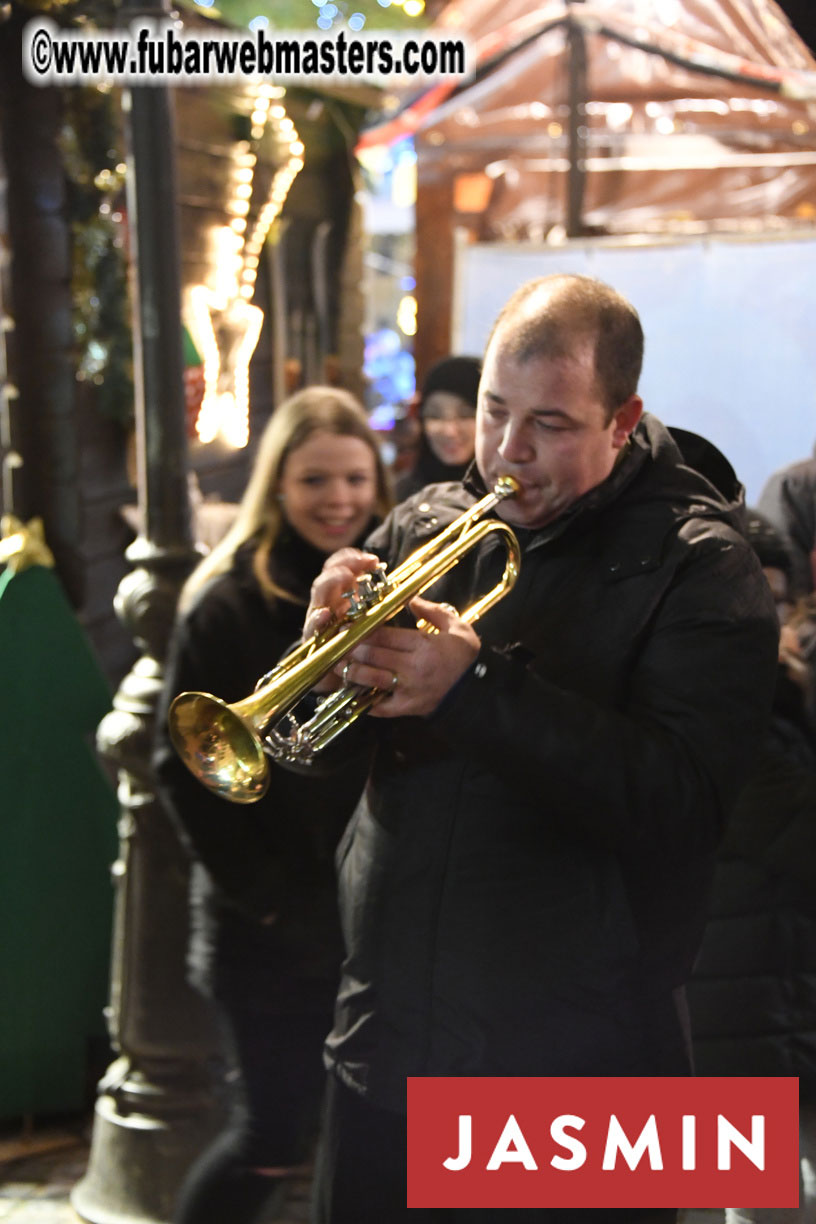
{"x":620,"y":117}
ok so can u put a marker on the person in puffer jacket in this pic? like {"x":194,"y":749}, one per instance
{"x":522,"y":887}
{"x":752,"y":998}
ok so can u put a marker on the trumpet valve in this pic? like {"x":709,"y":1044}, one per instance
{"x":368,"y":592}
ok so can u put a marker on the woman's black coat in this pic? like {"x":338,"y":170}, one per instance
{"x":263,"y":890}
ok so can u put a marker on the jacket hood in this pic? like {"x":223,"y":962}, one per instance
{"x":691,"y":473}
{"x":668,"y":479}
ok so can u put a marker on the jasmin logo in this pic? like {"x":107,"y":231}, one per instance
{"x":594,"y":1142}
{"x":512,"y":1147}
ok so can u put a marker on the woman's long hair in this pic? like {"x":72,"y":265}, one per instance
{"x":259,"y":517}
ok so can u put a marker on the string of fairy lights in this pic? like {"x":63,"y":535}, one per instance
{"x":227,"y":349}
{"x":221,"y":318}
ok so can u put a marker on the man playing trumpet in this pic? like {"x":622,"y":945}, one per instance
{"x":522,"y":886}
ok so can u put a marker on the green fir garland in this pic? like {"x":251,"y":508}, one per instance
{"x":94,"y":166}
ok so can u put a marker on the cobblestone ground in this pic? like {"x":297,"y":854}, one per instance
{"x":38,"y":1172}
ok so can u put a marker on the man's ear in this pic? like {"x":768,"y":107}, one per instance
{"x":625,"y":419}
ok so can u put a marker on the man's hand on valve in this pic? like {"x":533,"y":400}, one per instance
{"x":329,"y":599}
{"x":415,"y":668}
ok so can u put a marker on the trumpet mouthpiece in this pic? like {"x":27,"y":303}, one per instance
{"x":506,"y":486}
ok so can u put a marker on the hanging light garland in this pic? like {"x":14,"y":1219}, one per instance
{"x":225,"y":325}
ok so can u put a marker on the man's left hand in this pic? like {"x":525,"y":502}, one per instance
{"x":414,"y":668}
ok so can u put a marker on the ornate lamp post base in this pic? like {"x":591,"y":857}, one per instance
{"x":147,"y":1123}
{"x":161,"y":1100}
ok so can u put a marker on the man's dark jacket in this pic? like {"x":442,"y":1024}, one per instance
{"x":522,"y":886}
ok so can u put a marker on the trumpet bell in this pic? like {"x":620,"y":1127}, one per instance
{"x":219,"y":747}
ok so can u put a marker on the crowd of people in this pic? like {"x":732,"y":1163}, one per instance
{"x":509,"y":866}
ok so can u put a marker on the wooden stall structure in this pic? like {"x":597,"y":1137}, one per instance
{"x":607,"y":117}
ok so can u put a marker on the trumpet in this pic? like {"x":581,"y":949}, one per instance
{"x":226,"y":746}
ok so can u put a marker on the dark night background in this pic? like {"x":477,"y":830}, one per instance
{"x":802,"y":15}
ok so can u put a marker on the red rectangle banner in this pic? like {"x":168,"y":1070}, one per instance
{"x":603,"y":1142}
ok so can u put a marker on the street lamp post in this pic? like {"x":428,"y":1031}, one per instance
{"x":157,"y":1105}
{"x":577,"y":131}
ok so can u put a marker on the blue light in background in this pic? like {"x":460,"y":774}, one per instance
{"x":259,"y":23}
{"x":329,"y":10}
{"x":407,"y":284}
{"x":389,"y":369}
{"x":356,"y":21}
{"x":325,"y":23}
{"x":382,"y":418}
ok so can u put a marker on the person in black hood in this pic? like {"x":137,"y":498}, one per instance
{"x":265,"y":940}
{"x":522,"y":886}
{"x":447,"y":413}
{"x":788,"y":501}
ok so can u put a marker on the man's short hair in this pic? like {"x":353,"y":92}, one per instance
{"x":547,"y":317}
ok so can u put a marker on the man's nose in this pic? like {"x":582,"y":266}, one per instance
{"x":515,"y":444}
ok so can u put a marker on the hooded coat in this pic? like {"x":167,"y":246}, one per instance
{"x":523,"y":885}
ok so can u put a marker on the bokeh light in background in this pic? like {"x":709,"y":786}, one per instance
{"x":335,"y":15}
{"x":388,"y":199}
{"x":389,"y":371}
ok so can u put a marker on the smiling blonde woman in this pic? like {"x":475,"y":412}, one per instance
{"x":265,"y":941}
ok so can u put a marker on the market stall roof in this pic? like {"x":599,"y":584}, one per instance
{"x":697,"y":114}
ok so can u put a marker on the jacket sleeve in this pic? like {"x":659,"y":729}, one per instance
{"x":664,"y":766}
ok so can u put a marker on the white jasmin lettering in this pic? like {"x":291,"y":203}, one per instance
{"x":728,"y":1136}
{"x":617,"y":1141}
{"x":518,"y":1153}
{"x":462,"y":1159}
{"x":558,"y":1131}
{"x":512,"y":1146}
